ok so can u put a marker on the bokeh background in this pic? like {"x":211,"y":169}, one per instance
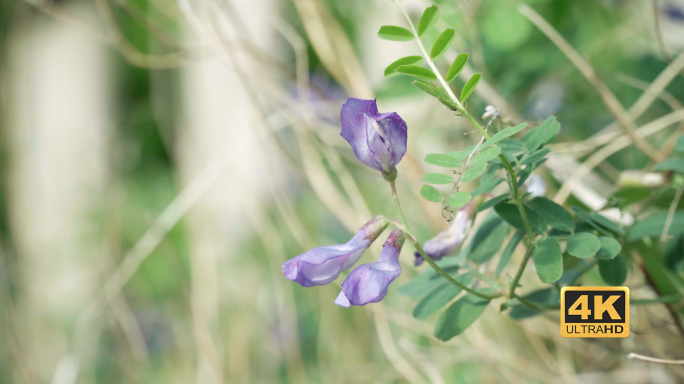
{"x":161,"y":159}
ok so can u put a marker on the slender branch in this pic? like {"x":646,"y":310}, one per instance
{"x":611,"y":102}
{"x":670,"y":214}
{"x":521,"y":269}
{"x":425,"y":256}
{"x":654,"y":359}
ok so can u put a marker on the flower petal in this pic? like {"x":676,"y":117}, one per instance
{"x":322,"y":265}
{"x":368,"y":283}
{"x":354,"y":127}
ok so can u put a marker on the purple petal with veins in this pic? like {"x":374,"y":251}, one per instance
{"x":368,"y":283}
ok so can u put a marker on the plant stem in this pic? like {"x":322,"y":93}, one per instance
{"x":426,"y":257}
{"x":462,"y":110}
{"x":521,"y":269}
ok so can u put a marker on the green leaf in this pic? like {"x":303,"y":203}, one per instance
{"x":555,"y":215}
{"x":437,"y":178}
{"x":436,"y":91}
{"x":535,"y":156}
{"x":548,"y":260}
{"x":441,"y":160}
{"x":674,"y":165}
{"x":393,"y":33}
{"x":459,"y":155}
{"x":488,"y":239}
{"x":511,"y":214}
{"x":583,"y":245}
{"x":486,"y":187}
{"x":631,"y":195}
{"x":440,"y":297}
{"x":459,"y":199}
{"x":474,"y":171}
{"x":510,"y":146}
{"x":508,"y":252}
{"x":502,"y":134}
{"x":584,"y":215}
{"x":605,"y":223}
{"x":492,"y":202}
{"x":429,"y":19}
{"x":459,"y":316}
{"x":469,"y":87}
{"x":456,"y":67}
{"x":535,"y":137}
{"x":430,"y":193}
{"x":429,"y":279}
{"x":613,"y":271}
{"x":408,"y":60}
{"x":546,"y":296}
{"x":486,"y":155}
{"x":679,"y":147}
{"x":416,"y":71}
{"x":442,"y":43}
{"x":609,"y":248}
{"x":654,"y":225}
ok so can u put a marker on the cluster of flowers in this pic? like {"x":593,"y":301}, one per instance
{"x":379,"y":141}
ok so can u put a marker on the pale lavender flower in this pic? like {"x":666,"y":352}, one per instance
{"x":450,"y":240}
{"x":322,"y":265}
{"x":378,"y":139}
{"x":368,"y":283}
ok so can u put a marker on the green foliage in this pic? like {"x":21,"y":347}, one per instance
{"x":654,"y":226}
{"x":408,"y":60}
{"x":460,"y":315}
{"x":613,"y":271}
{"x":435,"y":91}
{"x":503,"y":134}
{"x":679,"y":146}
{"x":488,"y":239}
{"x":674,"y":165}
{"x":508,"y":252}
{"x":442,"y":160}
{"x":548,"y":260}
{"x":542,"y":297}
{"x":469,"y":87}
{"x":486,"y":186}
{"x":554,"y":215}
{"x":535,"y":156}
{"x":587,"y":217}
{"x":437,"y":178}
{"x":459,"y":199}
{"x":430,"y":193}
{"x":486,"y":155}
{"x":417,"y":72}
{"x":609,"y":248}
{"x":428,"y":19}
{"x":394,"y":33}
{"x":474,"y":171}
{"x":456,"y":67}
{"x":440,"y":297}
{"x":493,"y":201}
{"x":428,"y":280}
{"x":511,"y":214}
{"x":583,"y":245}
{"x":536,"y":137}
{"x":442,"y":44}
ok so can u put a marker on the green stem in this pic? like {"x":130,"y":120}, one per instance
{"x":425,"y":256}
{"x":521,"y":269}
{"x":461,"y":109}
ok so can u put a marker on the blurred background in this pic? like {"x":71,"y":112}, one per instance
{"x":161,"y":159}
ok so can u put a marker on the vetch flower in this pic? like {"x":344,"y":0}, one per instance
{"x":378,"y":139}
{"x":322,"y":265}
{"x":449,"y":240}
{"x":368,"y":282}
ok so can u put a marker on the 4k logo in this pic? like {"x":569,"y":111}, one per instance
{"x":595,"y":312}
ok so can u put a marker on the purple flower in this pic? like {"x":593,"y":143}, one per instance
{"x":322,"y":265}
{"x":378,"y":139}
{"x":368,"y":282}
{"x":449,"y":240}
